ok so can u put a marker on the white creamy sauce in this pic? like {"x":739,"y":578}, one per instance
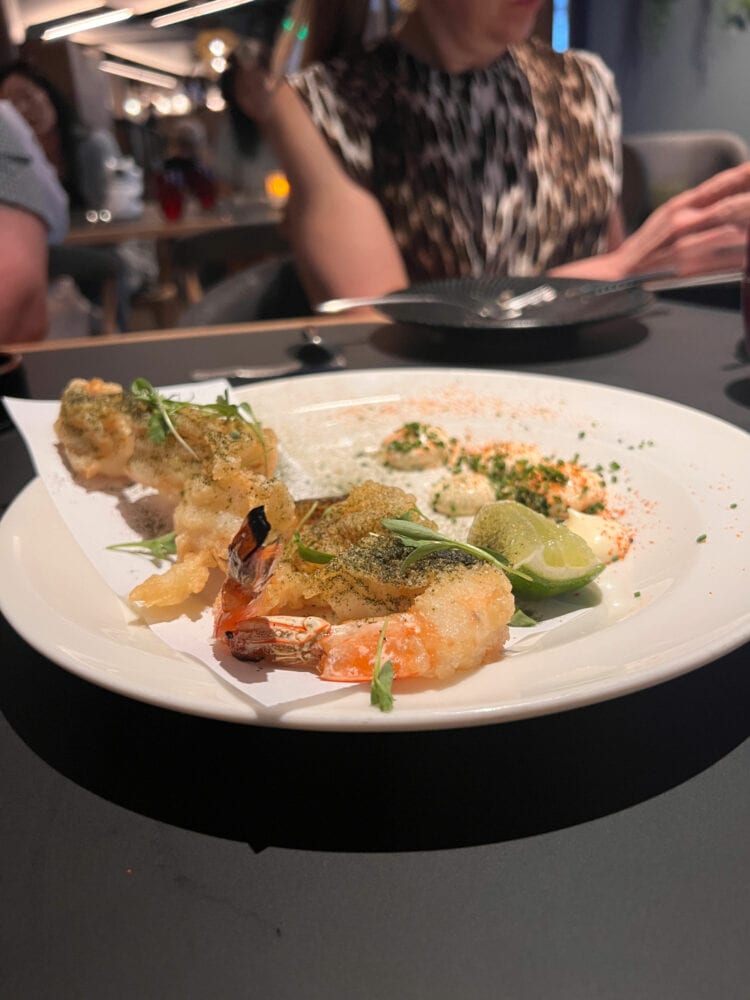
{"x":462,"y":494}
{"x":607,"y":539}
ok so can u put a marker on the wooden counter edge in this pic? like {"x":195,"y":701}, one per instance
{"x":187,"y":333}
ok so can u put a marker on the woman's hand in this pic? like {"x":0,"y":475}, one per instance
{"x":255,"y":86}
{"x":698,"y":231}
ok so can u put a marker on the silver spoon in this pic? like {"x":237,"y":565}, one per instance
{"x":314,"y":353}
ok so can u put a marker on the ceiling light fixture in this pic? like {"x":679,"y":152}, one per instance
{"x":200,"y":10}
{"x":86,"y":24}
{"x":136,"y":73}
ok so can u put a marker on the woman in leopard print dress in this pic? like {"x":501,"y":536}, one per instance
{"x":457,"y":145}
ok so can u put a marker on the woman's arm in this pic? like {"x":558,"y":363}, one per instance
{"x":340,"y":236}
{"x":23,"y":265}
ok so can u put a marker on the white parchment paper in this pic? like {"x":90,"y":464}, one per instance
{"x":99,"y":515}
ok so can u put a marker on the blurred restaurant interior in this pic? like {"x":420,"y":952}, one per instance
{"x":144,"y":79}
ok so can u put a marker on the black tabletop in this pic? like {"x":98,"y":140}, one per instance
{"x":600,"y":852}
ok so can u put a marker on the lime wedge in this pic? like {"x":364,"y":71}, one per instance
{"x":556,"y":559}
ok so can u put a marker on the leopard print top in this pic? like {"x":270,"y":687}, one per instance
{"x":511,"y":169}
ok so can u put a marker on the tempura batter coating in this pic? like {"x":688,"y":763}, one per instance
{"x":213,"y":469}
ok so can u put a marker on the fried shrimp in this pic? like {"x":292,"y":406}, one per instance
{"x":209,"y":461}
{"x":206,"y":517}
{"x":107,"y":431}
{"x":445,"y":614}
{"x":268,"y":573}
{"x":95,"y":429}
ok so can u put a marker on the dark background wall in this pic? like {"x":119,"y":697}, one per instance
{"x":690,"y":72}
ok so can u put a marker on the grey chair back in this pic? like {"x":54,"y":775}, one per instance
{"x":268,"y":290}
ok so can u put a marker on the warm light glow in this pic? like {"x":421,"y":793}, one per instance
{"x":132,"y":107}
{"x":135,"y":73}
{"x":218,"y":64}
{"x":181,"y":104}
{"x":217,"y":46}
{"x":277,"y":187}
{"x":200,"y":10}
{"x":161,"y":103}
{"x":214,"y":100}
{"x":86,"y":23}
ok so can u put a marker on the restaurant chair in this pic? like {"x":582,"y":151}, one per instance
{"x":202,"y":260}
{"x":97,"y":272}
{"x":659,"y":165}
{"x":270,"y":289}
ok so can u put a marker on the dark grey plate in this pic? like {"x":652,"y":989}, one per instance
{"x":574,"y":305}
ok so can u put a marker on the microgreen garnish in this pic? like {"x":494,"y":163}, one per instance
{"x":162,"y":409}
{"x":305,"y":552}
{"x":424,"y":541}
{"x":382,"y":677}
{"x":701,"y":538}
{"x":245,"y":412}
{"x":157,"y":548}
{"x":519,"y":619}
{"x":308,"y":554}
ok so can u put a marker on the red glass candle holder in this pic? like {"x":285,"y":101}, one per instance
{"x":170,"y":190}
{"x":203,"y":185}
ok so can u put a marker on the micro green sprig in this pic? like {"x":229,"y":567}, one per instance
{"x":305,"y":552}
{"x":382,"y":677}
{"x":423,"y":541}
{"x":163,"y":409}
{"x":158,"y":548}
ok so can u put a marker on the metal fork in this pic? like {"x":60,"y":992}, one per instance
{"x":493,"y":309}
{"x":517,"y":303}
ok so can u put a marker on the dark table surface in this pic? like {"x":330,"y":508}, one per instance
{"x":602,"y":852}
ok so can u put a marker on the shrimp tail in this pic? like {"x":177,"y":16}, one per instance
{"x":252,"y":559}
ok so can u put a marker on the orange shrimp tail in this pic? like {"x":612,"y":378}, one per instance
{"x":232,"y":606}
{"x":252,"y":560}
{"x":349,"y":650}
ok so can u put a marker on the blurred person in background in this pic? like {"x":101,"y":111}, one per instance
{"x":77,"y":154}
{"x":460,"y":145}
{"x":187,"y":156}
{"x":244,"y":156}
{"x":79,"y":157}
{"x":33,"y":211}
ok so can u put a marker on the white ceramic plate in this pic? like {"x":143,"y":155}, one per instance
{"x":673,"y":604}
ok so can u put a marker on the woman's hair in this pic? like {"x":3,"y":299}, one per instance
{"x":329,"y":27}
{"x":244,"y":129}
{"x":323,"y":27}
{"x":69,"y":128}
